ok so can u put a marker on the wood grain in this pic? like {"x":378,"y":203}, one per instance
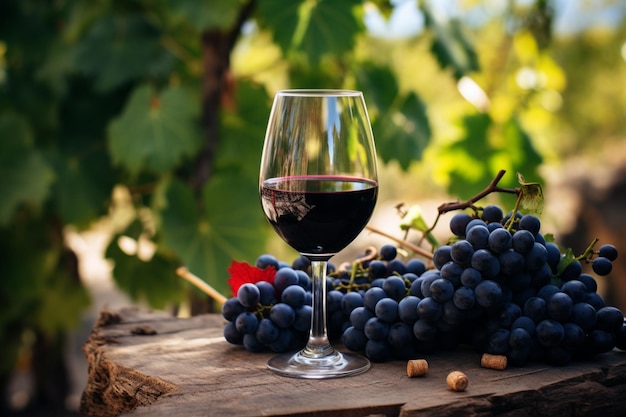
{"x":151,"y":364}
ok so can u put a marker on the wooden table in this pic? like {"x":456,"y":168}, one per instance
{"x":152,"y":364}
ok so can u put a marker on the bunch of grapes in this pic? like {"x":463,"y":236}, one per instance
{"x":499,"y":285}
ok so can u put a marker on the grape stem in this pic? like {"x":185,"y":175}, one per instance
{"x":401,"y":242}
{"x":491,"y":188}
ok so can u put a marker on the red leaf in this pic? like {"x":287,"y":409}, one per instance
{"x":243,"y":272}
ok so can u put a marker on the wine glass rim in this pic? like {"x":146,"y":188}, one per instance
{"x":321,"y":92}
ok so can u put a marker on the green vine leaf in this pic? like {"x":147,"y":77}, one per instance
{"x":314,"y":27}
{"x":26,"y":175}
{"x":156,"y":130}
{"x":532,"y":195}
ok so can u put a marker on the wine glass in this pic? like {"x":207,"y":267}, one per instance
{"x":318,"y":187}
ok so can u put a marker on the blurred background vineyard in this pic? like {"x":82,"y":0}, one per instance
{"x":130,"y":134}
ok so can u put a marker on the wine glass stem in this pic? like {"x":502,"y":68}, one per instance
{"x":318,"y":344}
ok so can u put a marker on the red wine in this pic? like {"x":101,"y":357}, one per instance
{"x":318,"y":215}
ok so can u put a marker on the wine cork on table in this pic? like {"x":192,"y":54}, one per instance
{"x":457,"y":381}
{"x":416,"y":367}
{"x":490,"y":361}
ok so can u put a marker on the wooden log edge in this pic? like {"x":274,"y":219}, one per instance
{"x":111,"y":389}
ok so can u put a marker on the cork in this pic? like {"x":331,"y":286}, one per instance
{"x":497,"y":362}
{"x":416,"y":367}
{"x":457,"y":381}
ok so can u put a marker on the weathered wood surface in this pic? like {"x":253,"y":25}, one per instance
{"x":152,"y":364}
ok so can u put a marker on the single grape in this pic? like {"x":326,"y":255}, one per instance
{"x":249,"y":295}
{"x":377,"y":350}
{"x":426,"y":280}
{"x":492,"y":214}
{"x":470,"y":277}
{"x":559,"y":307}
{"x":531,"y":223}
{"x":486,"y":263}
{"x":441,"y":290}
{"x":508,"y":314}
{"x":574,"y":337}
{"x":458,"y":223}
{"x":376,"y":329}
{"x":608,"y":251}
{"x":284,"y":278}
{"x":301,"y":263}
{"x":232,"y":308}
{"x":500,"y":240}
{"x":602,"y":266}
{"x":267,"y":332}
{"x":396,"y":266}
{"x":388,"y":252}
{"x":387,"y":310}
{"x":519,"y":338}
{"x":620,"y":338}
{"x":252,"y":344}
{"x":407,"y":309}
{"x":246,"y":322}
{"x":452,"y":271}
{"x":416,"y":266}
{"x":572,"y":271}
{"x":400,"y":334}
{"x":282,"y":315}
{"x":441,"y":256}
{"x":488,"y":293}
{"x":473,"y":223}
{"x":354,"y":339}
{"x":511,"y":262}
{"x":499,"y":342}
{"x":461,"y":252}
{"x":333,"y":300}
{"x":303,"y":279}
{"x":526,"y":323}
{"x":429,"y":309}
{"x":589,"y":281}
{"x":350,"y":301}
{"x":395,"y":287}
{"x":451,"y":315}
{"x":232,"y":335}
{"x":416,"y":288}
{"x":601,"y":341}
{"x":575,"y":289}
{"x":372,"y":296}
{"x":464,"y":298}
{"x":302,"y":322}
{"x":378,"y":269}
{"x":536,"y":258}
{"x":584,"y":315}
{"x":595,"y":300}
{"x":294,"y":296}
{"x":553,"y":256}
{"x":478,"y":237}
{"x":523,"y":241}
{"x":549,"y":333}
{"x":547,"y":291}
{"x":360,"y":316}
{"x":610,"y":319}
{"x":267,"y":293}
{"x":424,"y":331}
{"x":266,"y":260}
{"x":284,"y":342}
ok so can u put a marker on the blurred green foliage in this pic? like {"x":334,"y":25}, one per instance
{"x":168,"y":100}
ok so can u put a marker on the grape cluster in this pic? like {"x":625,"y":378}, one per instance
{"x":499,"y":285}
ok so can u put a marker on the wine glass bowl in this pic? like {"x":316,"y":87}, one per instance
{"x":318,"y":187}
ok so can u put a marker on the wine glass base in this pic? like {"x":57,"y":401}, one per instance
{"x":334,"y":365}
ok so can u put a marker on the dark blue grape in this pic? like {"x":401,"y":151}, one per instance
{"x":267,"y":293}
{"x":387,"y":310}
{"x":378,"y":282}
{"x":486,"y":263}
{"x":284,"y":278}
{"x":429,"y":309}
{"x":302,"y":322}
{"x":461,"y":252}
{"x":396,"y":267}
{"x":610,"y":319}
{"x":232,"y":308}
{"x":452,"y":315}
{"x":388,"y":252}
{"x":595,"y":300}
{"x":553,"y":256}
{"x":508,"y":314}
{"x":498,"y":343}
{"x":360,"y":316}
{"x":574,"y":337}
{"x":407,"y":309}
{"x":473,"y":223}
{"x":522,"y":241}
{"x":575,"y":289}
{"x":294,"y":296}
{"x":395,"y":287}
{"x":425,"y":281}
{"x":499,"y":240}
{"x":559,"y":307}
{"x":303,"y":279}
{"x":602,"y":266}
{"x":378,"y":350}
{"x":246,"y":322}
{"x":549,"y":333}
{"x":584,"y":315}
{"x":333,"y":300}
{"x":478,"y":237}
{"x":232,"y":335}
{"x":416,"y":266}
{"x":354,"y":339}
{"x":282,"y":315}
{"x":424,"y":331}
{"x":540,"y":239}
{"x":608,"y":251}
{"x":601,"y":341}
{"x":416,"y":288}
{"x":452,"y":272}
{"x":488,"y":293}
{"x":266,"y":260}
{"x":441,"y":290}
{"x":464,"y":298}
{"x":409,"y":278}
{"x":378,"y":269}
{"x":519,"y":338}
{"x":589,"y":281}
{"x":249,"y":295}
{"x":572,"y":271}
{"x":284,"y":342}
{"x":536,"y":258}
{"x":492,"y":214}
{"x":531,"y":223}
{"x":372,"y":296}
{"x":301,"y":263}
{"x":400,"y":334}
{"x":376,"y":329}
{"x":547,"y":291}
{"x":470,"y":277}
{"x":493,"y":226}
{"x":441,"y":256}
{"x":526,"y":323}
{"x":458,"y":223}
{"x":350,"y":301}
{"x":267,"y":332}
{"x":252,"y":344}
{"x":511,"y":262}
